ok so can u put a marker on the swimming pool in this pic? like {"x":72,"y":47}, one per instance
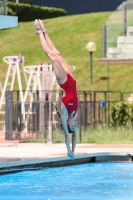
{"x":92,"y":181}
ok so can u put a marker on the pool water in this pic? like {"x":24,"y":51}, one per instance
{"x":92,"y":181}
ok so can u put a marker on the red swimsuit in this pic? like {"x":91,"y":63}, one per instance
{"x":71,"y":99}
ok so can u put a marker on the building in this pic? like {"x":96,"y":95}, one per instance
{"x":79,"y":7}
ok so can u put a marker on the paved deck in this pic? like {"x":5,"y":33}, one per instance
{"x":20,"y":154}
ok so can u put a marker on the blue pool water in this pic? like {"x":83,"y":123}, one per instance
{"x":93,"y":181}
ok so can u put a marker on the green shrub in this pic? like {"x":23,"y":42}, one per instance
{"x":27,"y":12}
{"x":122,"y":114}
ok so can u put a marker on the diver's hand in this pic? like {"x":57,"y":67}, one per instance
{"x":71,"y":156}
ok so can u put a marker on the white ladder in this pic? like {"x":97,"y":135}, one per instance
{"x":0,"y":87}
{"x":13,"y":70}
{"x":33,"y":82}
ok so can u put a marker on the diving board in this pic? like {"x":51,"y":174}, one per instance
{"x":7,"y":21}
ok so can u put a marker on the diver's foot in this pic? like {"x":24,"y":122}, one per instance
{"x":42,"y":25}
{"x":38,"y":27}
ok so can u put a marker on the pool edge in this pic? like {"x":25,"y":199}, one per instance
{"x":36,"y":164}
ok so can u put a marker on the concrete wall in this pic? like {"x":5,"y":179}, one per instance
{"x":81,"y":6}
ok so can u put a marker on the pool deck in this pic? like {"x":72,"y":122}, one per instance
{"x":48,"y":155}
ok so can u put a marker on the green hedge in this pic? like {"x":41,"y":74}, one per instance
{"x":122,"y":114}
{"x":27,"y":12}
